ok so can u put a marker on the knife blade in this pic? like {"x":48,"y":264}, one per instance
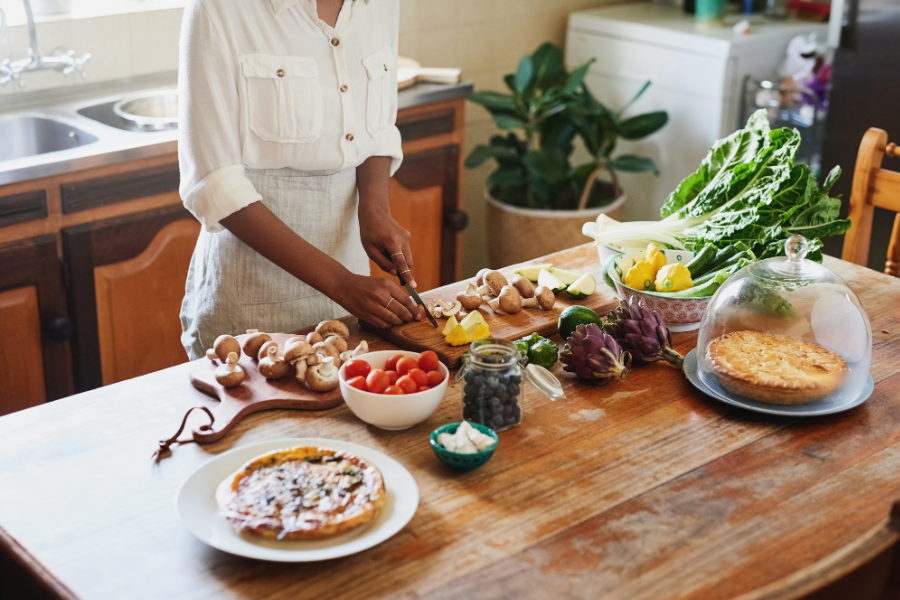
{"x":413,"y":293}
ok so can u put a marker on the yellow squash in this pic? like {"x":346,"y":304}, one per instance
{"x":640,"y":276}
{"x":656,"y":258}
{"x":673,"y":278}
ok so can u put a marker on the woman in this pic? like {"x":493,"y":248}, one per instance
{"x":287,"y":142}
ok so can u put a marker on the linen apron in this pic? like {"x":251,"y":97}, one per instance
{"x":231,"y":288}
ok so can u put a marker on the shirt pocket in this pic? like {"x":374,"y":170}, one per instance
{"x":284,"y":97}
{"x":381,"y":88}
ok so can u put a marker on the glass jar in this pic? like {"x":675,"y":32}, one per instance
{"x":494,"y":372}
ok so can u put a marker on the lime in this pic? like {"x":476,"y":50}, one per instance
{"x":574,"y":316}
{"x":543,"y":353}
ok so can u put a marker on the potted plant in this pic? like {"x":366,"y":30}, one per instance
{"x":537,"y":201}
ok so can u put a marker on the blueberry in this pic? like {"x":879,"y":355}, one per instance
{"x":513,"y":389}
{"x":497,"y":421}
{"x":511,"y":420}
{"x":507,"y":411}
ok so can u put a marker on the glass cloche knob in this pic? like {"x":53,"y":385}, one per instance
{"x":796,"y":247}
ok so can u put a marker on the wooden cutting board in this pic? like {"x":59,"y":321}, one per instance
{"x":256,"y":393}
{"x":418,"y":336}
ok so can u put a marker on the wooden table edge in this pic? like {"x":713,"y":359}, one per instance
{"x":30,"y":565}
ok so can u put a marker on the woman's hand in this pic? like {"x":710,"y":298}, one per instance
{"x":379,"y":232}
{"x":377,"y":301}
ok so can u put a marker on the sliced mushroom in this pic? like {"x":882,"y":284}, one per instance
{"x":358,"y":351}
{"x":525,"y":287}
{"x":448,"y":310}
{"x":255,"y":340}
{"x":493,"y":283}
{"x":211,"y":355}
{"x":543,"y":297}
{"x":470,"y":299}
{"x":326,"y":328}
{"x":313,"y":337}
{"x":273,"y":365}
{"x":322,"y":377}
{"x":225,"y":345}
{"x":264,"y":349}
{"x":509,"y":300}
{"x":229,"y":373}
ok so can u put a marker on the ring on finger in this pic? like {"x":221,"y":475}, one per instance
{"x":389,"y":302}
{"x":406,"y":271}
{"x":397,"y":254}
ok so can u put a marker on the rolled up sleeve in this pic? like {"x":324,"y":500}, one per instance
{"x":392,"y":143}
{"x":213,"y":183}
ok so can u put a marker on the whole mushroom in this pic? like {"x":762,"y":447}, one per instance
{"x":264,"y":349}
{"x":509,"y":300}
{"x":358,"y":351}
{"x":525,"y":287}
{"x":339,"y":343}
{"x":322,"y":377}
{"x":255,"y":340}
{"x":225,"y":345}
{"x":211,"y":355}
{"x":229,"y":373}
{"x":479,"y":278}
{"x":313,"y":337}
{"x":327,"y":349}
{"x":493,"y":283}
{"x":296,"y":353}
{"x":273,"y":366}
{"x":334,"y":327}
{"x":470,"y":299}
{"x":543,"y":297}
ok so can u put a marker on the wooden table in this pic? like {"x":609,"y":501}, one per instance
{"x":639,"y":489}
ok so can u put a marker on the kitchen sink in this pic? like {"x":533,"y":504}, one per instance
{"x":30,"y":135}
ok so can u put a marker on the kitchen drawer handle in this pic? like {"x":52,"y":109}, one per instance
{"x":456,"y":221}
{"x":59,"y":329}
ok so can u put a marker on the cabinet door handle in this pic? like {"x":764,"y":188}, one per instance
{"x":456,"y":221}
{"x":59,"y":329}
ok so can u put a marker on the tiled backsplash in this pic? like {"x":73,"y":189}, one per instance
{"x":486,"y":38}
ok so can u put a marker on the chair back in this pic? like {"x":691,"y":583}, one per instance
{"x":873,"y":186}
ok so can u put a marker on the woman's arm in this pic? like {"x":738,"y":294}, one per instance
{"x":364,"y":297}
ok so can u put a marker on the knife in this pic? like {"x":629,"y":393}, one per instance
{"x":413,"y":293}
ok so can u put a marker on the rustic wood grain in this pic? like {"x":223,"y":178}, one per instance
{"x":639,"y":489}
{"x":256,"y":393}
{"x":420,"y":335}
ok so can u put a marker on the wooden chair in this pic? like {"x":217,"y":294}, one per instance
{"x":873,"y":186}
{"x":868,"y":568}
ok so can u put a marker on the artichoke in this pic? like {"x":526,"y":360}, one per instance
{"x":642,"y":332}
{"x":594,"y":355}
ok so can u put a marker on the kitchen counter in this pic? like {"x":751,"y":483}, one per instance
{"x":116,"y":145}
{"x":643,"y":488}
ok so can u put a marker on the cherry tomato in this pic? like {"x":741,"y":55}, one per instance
{"x":358,"y":368}
{"x":359,"y":382}
{"x":424,"y":388}
{"x":428,"y":361}
{"x":377,"y":381}
{"x":392,"y":362}
{"x":435,"y":378}
{"x":405,"y":364}
{"x":394,"y":390}
{"x":393,"y":376}
{"x":419,"y":376}
{"x":407,"y":384}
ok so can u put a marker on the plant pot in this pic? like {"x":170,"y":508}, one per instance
{"x":518,"y":235}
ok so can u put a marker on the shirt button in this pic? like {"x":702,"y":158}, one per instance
{"x":343,"y":88}
{"x":349,"y":137}
{"x":385,"y":67}
{"x":280,"y":72}
{"x":335,"y":41}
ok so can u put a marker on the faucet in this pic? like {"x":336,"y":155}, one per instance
{"x":65,"y":61}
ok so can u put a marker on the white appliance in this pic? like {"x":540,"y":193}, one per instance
{"x":697,"y":75}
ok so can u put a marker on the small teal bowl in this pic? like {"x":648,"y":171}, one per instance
{"x":463,"y":462}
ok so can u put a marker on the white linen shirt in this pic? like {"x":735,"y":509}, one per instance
{"x":265,"y":84}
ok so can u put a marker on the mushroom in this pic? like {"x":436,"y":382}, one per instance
{"x":313,"y":337}
{"x":479,"y":279}
{"x":322,"y":377}
{"x":470,"y":299}
{"x":493,"y":283}
{"x":326,"y":328}
{"x":225,"y":345}
{"x":211,"y":355}
{"x":264,"y":349}
{"x":297,"y":354}
{"x":543,"y":297}
{"x":525,"y":287}
{"x":255,"y":340}
{"x":448,"y":310}
{"x":509,"y":300}
{"x":358,"y":351}
{"x":338,"y":342}
{"x":229,"y":373}
{"x":326,"y":349}
{"x":273,"y":365}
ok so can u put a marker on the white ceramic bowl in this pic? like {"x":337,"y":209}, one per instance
{"x":389,"y":411}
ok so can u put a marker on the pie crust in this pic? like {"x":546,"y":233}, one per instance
{"x":775,"y":368}
{"x":304,"y":493}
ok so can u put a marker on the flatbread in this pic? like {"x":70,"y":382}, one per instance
{"x":304,"y":493}
{"x":774,"y":368}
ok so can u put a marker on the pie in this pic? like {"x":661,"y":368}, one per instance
{"x":775,"y":368}
{"x":304,"y":493}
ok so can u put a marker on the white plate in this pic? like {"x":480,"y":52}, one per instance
{"x":812,"y":409}
{"x":196,"y":505}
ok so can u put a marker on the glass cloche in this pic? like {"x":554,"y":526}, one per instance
{"x":786,"y":331}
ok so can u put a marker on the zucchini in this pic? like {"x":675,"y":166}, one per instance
{"x":702,"y":261}
{"x":707,"y":289}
